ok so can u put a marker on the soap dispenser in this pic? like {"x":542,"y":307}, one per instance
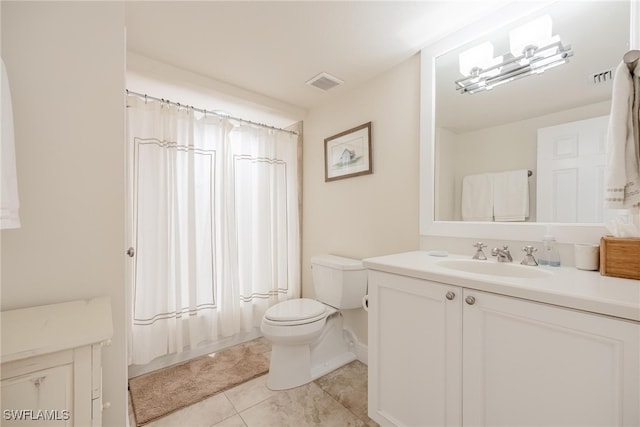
{"x":549,"y":255}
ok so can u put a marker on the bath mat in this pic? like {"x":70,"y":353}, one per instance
{"x":167,"y":390}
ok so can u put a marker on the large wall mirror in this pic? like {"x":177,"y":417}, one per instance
{"x":551,"y":125}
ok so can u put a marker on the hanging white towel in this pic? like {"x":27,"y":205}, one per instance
{"x":511,"y":195}
{"x":477,"y":197}
{"x":622,"y":185}
{"x":9,"y":217}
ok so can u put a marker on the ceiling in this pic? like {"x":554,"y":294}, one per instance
{"x":272,"y":48}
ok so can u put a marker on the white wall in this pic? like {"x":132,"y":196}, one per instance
{"x":65,"y":63}
{"x":373,"y":214}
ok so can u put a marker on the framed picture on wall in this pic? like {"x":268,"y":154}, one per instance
{"x":348,"y":153}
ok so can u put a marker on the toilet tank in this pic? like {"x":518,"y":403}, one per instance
{"x":339,"y":282}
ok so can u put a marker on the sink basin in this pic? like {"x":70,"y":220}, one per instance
{"x":494,"y":268}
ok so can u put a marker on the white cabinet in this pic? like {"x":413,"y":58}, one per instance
{"x":46,"y":388}
{"x":537,"y":364}
{"x":481,"y":359}
{"x":415,"y":350}
{"x":51,"y":364}
{"x":55,"y":389}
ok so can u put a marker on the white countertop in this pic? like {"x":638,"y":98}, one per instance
{"x":566,"y":286}
{"x":33,"y":331}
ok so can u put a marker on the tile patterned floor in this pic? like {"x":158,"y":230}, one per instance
{"x":339,"y":399}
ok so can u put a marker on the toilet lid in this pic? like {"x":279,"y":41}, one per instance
{"x":295,"y":309}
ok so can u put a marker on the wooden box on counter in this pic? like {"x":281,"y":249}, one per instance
{"x":620,"y":257}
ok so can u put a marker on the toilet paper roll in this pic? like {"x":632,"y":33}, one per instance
{"x":587,"y":257}
{"x":365,"y":302}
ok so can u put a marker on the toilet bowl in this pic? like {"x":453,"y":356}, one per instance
{"x":307,"y":336}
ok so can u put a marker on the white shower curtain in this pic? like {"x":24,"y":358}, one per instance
{"x":214,"y":224}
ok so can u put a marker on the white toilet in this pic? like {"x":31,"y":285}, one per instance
{"x":307,"y":337}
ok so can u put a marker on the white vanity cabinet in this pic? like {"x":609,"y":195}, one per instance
{"x":51,"y":371}
{"x":449,"y":356}
{"x":538,"y":364}
{"x":415,"y":351}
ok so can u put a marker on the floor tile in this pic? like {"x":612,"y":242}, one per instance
{"x":348,"y":385}
{"x":303,"y":406}
{"x":234,"y":421}
{"x":202,"y":414}
{"x":250,"y":393}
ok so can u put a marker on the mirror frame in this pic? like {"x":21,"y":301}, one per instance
{"x":564,"y":233}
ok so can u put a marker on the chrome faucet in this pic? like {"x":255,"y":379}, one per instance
{"x":529,"y":259}
{"x":479,"y":253}
{"x":503,"y":254}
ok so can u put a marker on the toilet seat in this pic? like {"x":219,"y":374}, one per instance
{"x":295,"y":312}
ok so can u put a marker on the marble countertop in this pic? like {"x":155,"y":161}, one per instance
{"x":34,"y":331}
{"x":566,"y":286}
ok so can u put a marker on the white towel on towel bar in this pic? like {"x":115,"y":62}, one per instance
{"x":511,"y":195}
{"x":477,"y":197}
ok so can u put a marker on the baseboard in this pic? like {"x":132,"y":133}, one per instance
{"x":356,"y":347}
{"x":362,"y":353}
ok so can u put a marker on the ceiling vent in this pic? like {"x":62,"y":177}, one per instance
{"x":324,"y":81}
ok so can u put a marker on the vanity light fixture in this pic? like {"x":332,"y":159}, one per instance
{"x":480,"y":56}
{"x":540,"y":53}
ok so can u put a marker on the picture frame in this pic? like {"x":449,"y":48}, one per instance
{"x":348,"y":153}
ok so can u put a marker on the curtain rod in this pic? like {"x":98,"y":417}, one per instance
{"x":205,"y":112}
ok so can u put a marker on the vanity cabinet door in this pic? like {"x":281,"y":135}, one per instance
{"x":43,"y":397}
{"x":527,"y":363}
{"x":415,"y":351}
{"x":55,"y":389}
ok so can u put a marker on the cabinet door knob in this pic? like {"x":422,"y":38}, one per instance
{"x":470,"y":300}
{"x":450,"y":295}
